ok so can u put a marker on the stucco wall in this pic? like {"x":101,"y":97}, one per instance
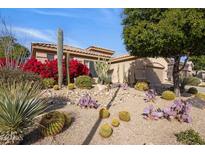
{"x":152,"y":69}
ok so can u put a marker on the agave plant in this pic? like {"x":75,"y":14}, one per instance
{"x":20,"y":104}
{"x":87,"y":101}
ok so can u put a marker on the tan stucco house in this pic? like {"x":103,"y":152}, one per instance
{"x":122,"y":68}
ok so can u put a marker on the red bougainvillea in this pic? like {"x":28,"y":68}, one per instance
{"x":49,"y":69}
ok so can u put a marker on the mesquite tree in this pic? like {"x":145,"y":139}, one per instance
{"x":60,"y":57}
{"x":169,"y":33}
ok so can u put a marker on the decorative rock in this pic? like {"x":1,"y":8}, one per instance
{"x":105,"y":130}
{"x":124,"y":116}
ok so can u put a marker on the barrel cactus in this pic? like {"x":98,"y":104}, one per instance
{"x":142,"y":86}
{"x":104,"y":113}
{"x":168,"y":95}
{"x":52,"y":123}
{"x":106,"y":130}
{"x":115,"y":122}
{"x":124,"y":116}
{"x":56,"y":87}
{"x":71,"y":86}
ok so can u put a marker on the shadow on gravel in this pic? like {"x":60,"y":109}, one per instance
{"x":97,"y":123}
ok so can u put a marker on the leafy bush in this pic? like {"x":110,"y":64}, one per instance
{"x":84,"y":82}
{"x":192,"y":90}
{"x":71,"y":86}
{"x":106,"y":130}
{"x":115,"y":123}
{"x":168,"y":95}
{"x":179,"y":110}
{"x":49,"y":69}
{"x":52,"y":123}
{"x":56,"y":87}
{"x":190,"y":137}
{"x":86,"y":101}
{"x":142,"y":86}
{"x":20,"y":104}
{"x":124,"y":116}
{"x":104,"y":113}
{"x":48,"y":82}
{"x":200,"y":96}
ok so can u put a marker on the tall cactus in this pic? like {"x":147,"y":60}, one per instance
{"x":60,"y":57}
{"x":67,"y":67}
{"x":102,"y":67}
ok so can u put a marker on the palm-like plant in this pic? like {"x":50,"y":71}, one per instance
{"x":20,"y":104}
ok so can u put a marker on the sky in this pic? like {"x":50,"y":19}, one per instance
{"x":82,"y":27}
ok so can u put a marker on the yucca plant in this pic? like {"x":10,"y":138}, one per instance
{"x":20,"y":104}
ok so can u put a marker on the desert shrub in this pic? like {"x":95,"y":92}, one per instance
{"x":168,"y":95}
{"x":124,"y":116}
{"x":52,"y":123}
{"x":10,"y":75}
{"x":193,"y":81}
{"x":20,"y":104}
{"x":56,"y":87}
{"x":48,"y":82}
{"x":84,"y":82}
{"x":201,"y":96}
{"x":71,"y":86}
{"x":106,"y":130}
{"x":115,"y":122}
{"x":190,"y":137}
{"x":142,"y":86}
{"x":192,"y":90}
{"x":104,"y":113}
{"x":87,"y":102}
{"x":150,"y":95}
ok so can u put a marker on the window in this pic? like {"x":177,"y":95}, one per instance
{"x":50,"y":56}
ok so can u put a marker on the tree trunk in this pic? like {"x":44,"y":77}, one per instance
{"x":176,"y":75}
{"x":67,"y":67}
{"x":60,"y":57}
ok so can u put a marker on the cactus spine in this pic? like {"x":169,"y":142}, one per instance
{"x":102,"y":67}
{"x":60,"y":57}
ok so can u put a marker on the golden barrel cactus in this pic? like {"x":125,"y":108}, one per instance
{"x":168,"y":95}
{"x":104,"y":113}
{"x":106,"y":130}
{"x":71,"y":86}
{"x":124,"y":116}
{"x":142,"y":86}
{"x":52,"y":123}
{"x":115,"y":122}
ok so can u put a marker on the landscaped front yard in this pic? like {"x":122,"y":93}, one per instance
{"x":86,"y":124}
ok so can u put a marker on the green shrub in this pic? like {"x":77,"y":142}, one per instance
{"x":48,"y":82}
{"x":71,"y":86}
{"x":84,"y":82}
{"x":115,"y":122}
{"x":168,"y":95}
{"x":142,"y":86}
{"x":52,"y":123}
{"x":200,"y":96}
{"x":20,"y":104}
{"x":192,"y":90}
{"x":106,"y":130}
{"x":56,"y":87}
{"x":193,"y":81}
{"x":104,"y":113}
{"x":124,"y":116}
{"x":190,"y":137}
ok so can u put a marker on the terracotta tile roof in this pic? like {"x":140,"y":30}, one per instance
{"x":71,"y":49}
{"x":101,"y":49}
{"x":122,"y":58}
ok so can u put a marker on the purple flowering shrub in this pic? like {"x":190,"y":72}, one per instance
{"x":180,"y":110}
{"x":150,"y":95}
{"x":124,"y":86}
{"x":87,"y":102}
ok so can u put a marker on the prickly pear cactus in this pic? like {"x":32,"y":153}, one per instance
{"x":52,"y":123}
